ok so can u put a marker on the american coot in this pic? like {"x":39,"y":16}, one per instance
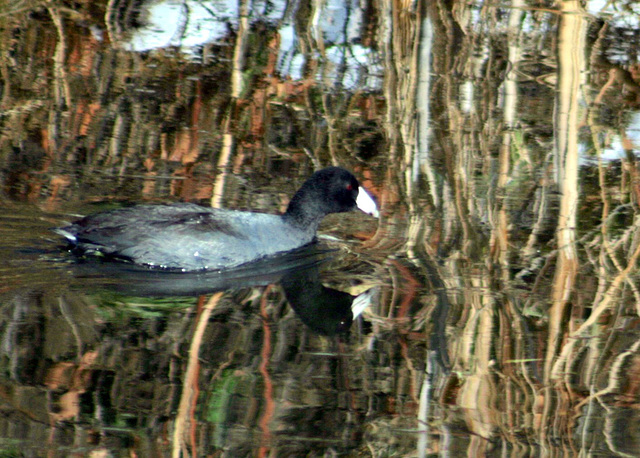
{"x":190,"y":237}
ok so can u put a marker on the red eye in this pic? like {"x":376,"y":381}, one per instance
{"x":349,"y":187}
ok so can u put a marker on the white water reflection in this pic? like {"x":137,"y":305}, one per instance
{"x":618,"y":16}
{"x":337,"y":31}
{"x":183,"y":24}
{"x":614,"y":144}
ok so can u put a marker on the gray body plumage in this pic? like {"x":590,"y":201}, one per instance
{"x":186,"y":236}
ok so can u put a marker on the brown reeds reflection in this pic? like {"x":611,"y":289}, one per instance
{"x":495,"y":217}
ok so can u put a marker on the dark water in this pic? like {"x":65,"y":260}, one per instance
{"x":496,"y":297}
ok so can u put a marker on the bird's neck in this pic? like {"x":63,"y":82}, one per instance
{"x":303,"y":213}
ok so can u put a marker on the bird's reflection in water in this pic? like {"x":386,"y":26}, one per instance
{"x":324,"y":310}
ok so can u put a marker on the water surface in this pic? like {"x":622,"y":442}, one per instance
{"x":500,"y":142}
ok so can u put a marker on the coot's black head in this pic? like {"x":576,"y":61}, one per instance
{"x":330,"y":190}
